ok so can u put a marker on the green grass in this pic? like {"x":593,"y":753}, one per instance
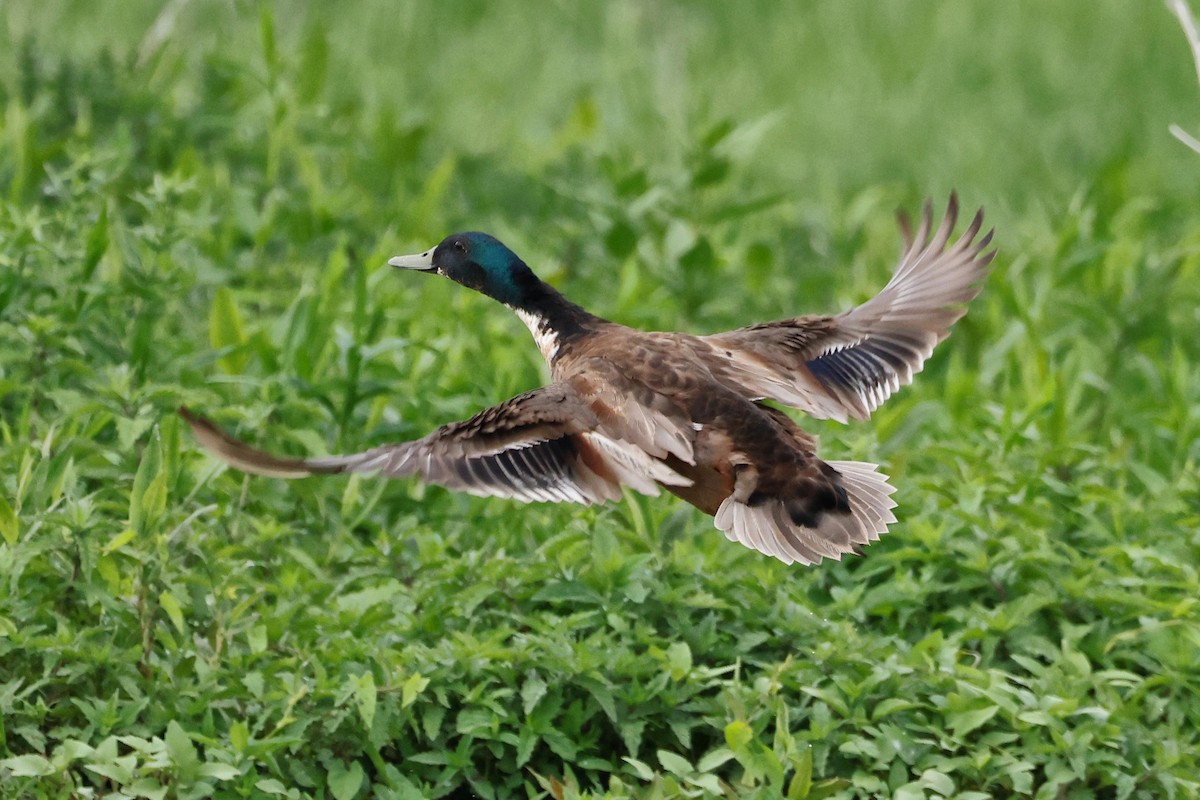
{"x":203,"y":218}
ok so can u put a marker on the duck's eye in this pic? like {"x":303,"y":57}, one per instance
{"x":460,"y":246}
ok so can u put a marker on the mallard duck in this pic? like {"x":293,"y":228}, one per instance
{"x":685,"y":413}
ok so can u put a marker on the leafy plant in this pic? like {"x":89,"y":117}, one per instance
{"x":198,"y":204}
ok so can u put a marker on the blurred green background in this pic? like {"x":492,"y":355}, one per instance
{"x":1017,"y":103}
{"x":197,"y":202}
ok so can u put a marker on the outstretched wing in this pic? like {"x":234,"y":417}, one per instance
{"x":542,"y":445}
{"x":848,"y":365}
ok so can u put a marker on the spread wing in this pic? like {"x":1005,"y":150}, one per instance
{"x":543,"y":445}
{"x":846,"y":366}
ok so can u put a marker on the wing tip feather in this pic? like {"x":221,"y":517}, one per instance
{"x":239,"y":454}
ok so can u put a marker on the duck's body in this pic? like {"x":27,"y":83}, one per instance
{"x":683,"y":412}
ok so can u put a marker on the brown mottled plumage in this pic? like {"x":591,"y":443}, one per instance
{"x":683,"y":412}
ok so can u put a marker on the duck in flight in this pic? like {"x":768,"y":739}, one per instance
{"x":685,"y":413}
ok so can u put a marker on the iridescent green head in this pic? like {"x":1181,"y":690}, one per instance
{"x":477,"y":261}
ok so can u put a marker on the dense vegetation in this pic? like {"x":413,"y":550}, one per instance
{"x":197,"y":202}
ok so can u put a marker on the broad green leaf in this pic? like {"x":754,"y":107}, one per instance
{"x":1035,"y":717}
{"x":738,"y":735}
{"x":475,"y":720}
{"x":218,"y":771}
{"x":344,"y":782}
{"x":674,"y":763}
{"x":180,"y":748}
{"x":801,"y":784}
{"x":256,"y":638}
{"x":9,"y":527}
{"x":940,"y":782}
{"x":254,"y":683}
{"x":829,"y":696}
{"x":130,"y":429}
{"x":119,"y":769}
{"x":30,"y":766}
{"x":120,"y":540}
{"x":148,"y":497}
{"x":963,"y":722}
{"x":352,"y":494}
{"x":714,"y":759}
{"x":72,"y":750}
{"x":709,"y":782}
{"x":174,"y":611}
{"x":106,"y":567}
{"x":827,"y":788}
{"x":526,"y":741}
{"x":271,"y":786}
{"x":357,"y":603}
{"x":679,"y":656}
{"x":154,"y":500}
{"x":890,"y":706}
{"x":431,"y":721}
{"x":148,"y":788}
{"x":533,"y":690}
{"x":365,"y":695}
{"x":239,"y":735}
{"x":225,"y":331}
{"x":769,"y":763}
{"x":412,"y":689}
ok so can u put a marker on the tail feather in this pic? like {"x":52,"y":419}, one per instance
{"x":870,"y":496}
{"x":770,"y":529}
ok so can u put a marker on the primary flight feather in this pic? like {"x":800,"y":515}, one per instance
{"x":683,"y":412}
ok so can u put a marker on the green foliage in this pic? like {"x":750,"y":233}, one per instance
{"x":197,"y":207}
